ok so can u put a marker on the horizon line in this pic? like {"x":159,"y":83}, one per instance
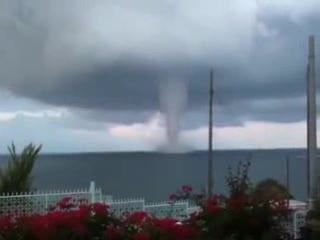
{"x":163,"y":152}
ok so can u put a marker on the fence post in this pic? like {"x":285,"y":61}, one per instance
{"x":143,"y":205}
{"x":92,"y":190}
{"x":46,"y":202}
{"x":100,"y":196}
{"x":295,"y":224}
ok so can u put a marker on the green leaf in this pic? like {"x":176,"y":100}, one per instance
{"x":17,"y":175}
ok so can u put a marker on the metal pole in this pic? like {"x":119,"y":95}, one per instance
{"x":288,"y":178}
{"x":92,"y":190}
{"x":210,"y":173}
{"x":288,"y":173}
{"x":312,"y":124}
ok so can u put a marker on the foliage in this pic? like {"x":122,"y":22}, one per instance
{"x":239,"y":216}
{"x":270,"y":189}
{"x":92,"y":222}
{"x":63,"y":222}
{"x":186,"y":193}
{"x":16,"y":177}
{"x":220,"y":218}
{"x":238,"y":182}
{"x":242,"y":214}
{"x":312,"y":228}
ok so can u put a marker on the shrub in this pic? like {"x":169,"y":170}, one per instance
{"x":239,"y":216}
{"x":16,"y":177}
{"x":269,"y":189}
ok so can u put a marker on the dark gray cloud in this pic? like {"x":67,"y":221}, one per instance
{"x":109,"y":58}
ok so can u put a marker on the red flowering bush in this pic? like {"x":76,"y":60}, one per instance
{"x":220,"y":218}
{"x":142,"y":226}
{"x":186,"y":193}
{"x":64,"y":222}
{"x":239,"y":216}
{"x":171,"y":229}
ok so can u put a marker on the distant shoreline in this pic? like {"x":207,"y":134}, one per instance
{"x":168,"y":153}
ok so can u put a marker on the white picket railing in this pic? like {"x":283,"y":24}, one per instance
{"x":179,"y":210}
{"x":120,"y":206}
{"x":299,"y":221}
{"x":41,"y":201}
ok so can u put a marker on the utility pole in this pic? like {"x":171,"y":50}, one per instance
{"x":288,"y":172}
{"x":210,"y":173}
{"x":288,"y":177}
{"x":312,"y":162}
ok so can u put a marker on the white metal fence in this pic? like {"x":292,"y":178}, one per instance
{"x":179,"y":210}
{"x":41,"y":201}
{"x":299,"y":221}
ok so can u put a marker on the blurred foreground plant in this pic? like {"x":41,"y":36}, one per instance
{"x":17,"y":175}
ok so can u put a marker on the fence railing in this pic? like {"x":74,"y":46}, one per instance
{"x":41,"y":201}
{"x":299,"y":221}
{"x":179,"y":209}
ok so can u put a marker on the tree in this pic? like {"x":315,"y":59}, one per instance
{"x":270,"y":189}
{"x":17,"y":176}
{"x":238,"y":182}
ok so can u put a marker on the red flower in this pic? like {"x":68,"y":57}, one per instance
{"x":172,"y":229}
{"x":187,"y":189}
{"x":165,"y":223}
{"x":212,"y":206}
{"x":183,"y":232}
{"x":141,"y":236}
{"x":112,"y":233}
{"x":173,"y":197}
{"x":83,"y":211}
{"x":137,"y":217}
{"x":40,"y":225}
{"x":100,"y":208}
{"x":65,"y":203}
{"x":280,"y":204}
{"x":5,"y":223}
{"x":237,"y":203}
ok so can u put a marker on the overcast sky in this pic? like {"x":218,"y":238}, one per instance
{"x":84,"y":75}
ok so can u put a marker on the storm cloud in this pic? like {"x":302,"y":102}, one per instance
{"x":110,"y":57}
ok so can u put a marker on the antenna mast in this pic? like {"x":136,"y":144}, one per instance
{"x":210,"y":173}
{"x":313,"y":166}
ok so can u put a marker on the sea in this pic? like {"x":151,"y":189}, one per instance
{"x":154,"y":175}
